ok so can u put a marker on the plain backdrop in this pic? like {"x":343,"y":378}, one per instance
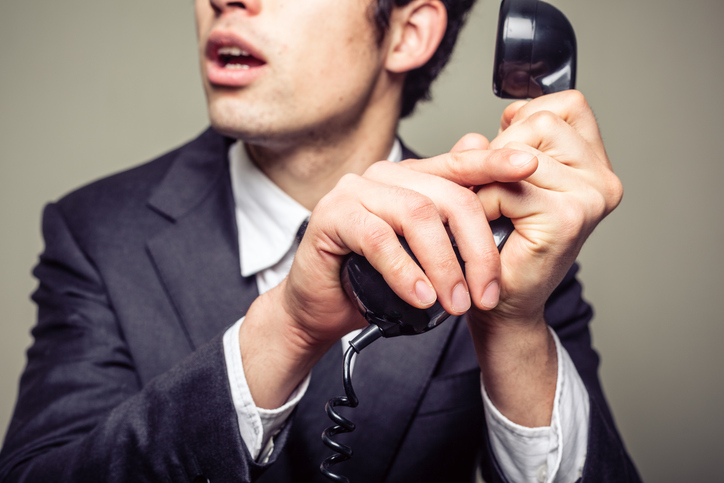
{"x":90,"y":87}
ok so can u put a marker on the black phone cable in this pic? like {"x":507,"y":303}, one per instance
{"x":342,"y":424}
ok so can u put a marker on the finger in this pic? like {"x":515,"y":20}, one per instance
{"x":537,"y":230}
{"x":547,"y":132}
{"x":463,"y":212}
{"x":414,"y":216}
{"x":471,"y":141}
{"x":571,"y":106}
{"x":477,"y":167}
{"x":509,"y":112}
{"x":599,"y":185}
{"x":370,"y":236}
{"x":543,"y":220}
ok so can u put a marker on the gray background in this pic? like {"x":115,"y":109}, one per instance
{"x":92,"y":87}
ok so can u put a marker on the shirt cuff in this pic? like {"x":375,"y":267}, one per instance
{"x":551,"y":454}
{"x":257,"y":426}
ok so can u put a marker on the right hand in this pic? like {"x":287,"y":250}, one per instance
{"x":364,"y":214}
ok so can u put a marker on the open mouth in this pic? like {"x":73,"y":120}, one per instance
{"x":231,"y":61}
{"x":234,"y":58}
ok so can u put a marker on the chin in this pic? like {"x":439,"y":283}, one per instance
{"x":249,"y":130}
{"x":276,"y":124}
{"x":235,"y":119}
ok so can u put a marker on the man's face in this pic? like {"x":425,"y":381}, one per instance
{"x":276,"y":70}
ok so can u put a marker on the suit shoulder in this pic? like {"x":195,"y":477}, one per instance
{"x":129,"y":183}
{"x":120,"y":200}
{"x":129,"y":187}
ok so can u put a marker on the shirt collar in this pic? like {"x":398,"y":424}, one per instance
{"x":267,"y":218}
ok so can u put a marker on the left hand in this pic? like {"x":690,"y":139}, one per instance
{"x":554,"y":210}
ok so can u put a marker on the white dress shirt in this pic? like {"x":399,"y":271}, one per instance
{"x":268,"y":221}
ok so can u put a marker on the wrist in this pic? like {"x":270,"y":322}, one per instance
{"x":501,"y":343}
{"x":519,"y":367}
{"x":275,"y":352}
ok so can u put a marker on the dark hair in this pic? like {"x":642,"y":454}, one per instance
{"x":417,"y":82}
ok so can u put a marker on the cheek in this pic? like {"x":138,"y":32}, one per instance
{"x":336,"y":61}
{"x":203,"y":15}
{"x":204,"y":19}
{"x":331,"y":86}
{"x":332,"y":40}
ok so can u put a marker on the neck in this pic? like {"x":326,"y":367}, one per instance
{"x":311,"y":165}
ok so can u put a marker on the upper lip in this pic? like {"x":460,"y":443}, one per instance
{"x":222,"y":38}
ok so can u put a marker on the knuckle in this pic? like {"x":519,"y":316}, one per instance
{"x":399,"y":266}
{"x":455,"y":163}
{"x":354,"y":217}
{"x":377,"y":169}
{"x":615,"y":193}
{"x":420,"y":208}
{"x":571,"y":219}
{"x":471,"y":137}
{"x":347,"y":181}
{"x":576,"y":99}
{"x":598,"y":206}
{"x":467,"y":201}
{"x":447,"y":263}
{"x":327,"y":203}
{"x":375,"y":237}
{"x":544,"y":120}
{"x":490,"y":255}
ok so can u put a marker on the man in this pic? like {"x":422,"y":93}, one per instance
{"x":156,"y":359}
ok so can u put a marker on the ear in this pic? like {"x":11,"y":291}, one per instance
{"x":415,"y":32}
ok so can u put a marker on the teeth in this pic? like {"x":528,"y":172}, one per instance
{"x":237,"y":66}
{"x":234,"y":51}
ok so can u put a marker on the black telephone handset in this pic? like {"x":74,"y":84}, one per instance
{"x":535,"y":54}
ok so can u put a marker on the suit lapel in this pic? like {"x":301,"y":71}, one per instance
{"x":197,"y":256}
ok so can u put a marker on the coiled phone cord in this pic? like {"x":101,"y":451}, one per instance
{"x":342,"y":424}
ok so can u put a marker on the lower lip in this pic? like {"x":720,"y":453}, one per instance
{"x":221,"y":76}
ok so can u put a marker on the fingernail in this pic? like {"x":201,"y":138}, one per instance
{"x":491,"y":296}
{"x":520,"y":159}
{"x":425,"y":294}
{"x":460,"y":298}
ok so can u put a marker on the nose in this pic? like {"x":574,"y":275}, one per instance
{"x":252,"y":7}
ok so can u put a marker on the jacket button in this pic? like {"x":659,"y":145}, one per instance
{"x":201,"y":479}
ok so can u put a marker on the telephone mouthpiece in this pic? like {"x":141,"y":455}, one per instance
{"x":381,"y":306}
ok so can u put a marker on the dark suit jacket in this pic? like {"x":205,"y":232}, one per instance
{"x":126,"y":379}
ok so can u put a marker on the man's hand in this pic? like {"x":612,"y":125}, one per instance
{"x":554,"y":211}
{"x":290,"y":327}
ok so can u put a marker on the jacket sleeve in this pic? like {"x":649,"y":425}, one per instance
{"x":606,"y":457}
{"x":82,"y":414}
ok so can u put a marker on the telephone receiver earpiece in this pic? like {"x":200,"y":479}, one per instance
{"x":535,"y":50}
{"x":535,"y":54}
